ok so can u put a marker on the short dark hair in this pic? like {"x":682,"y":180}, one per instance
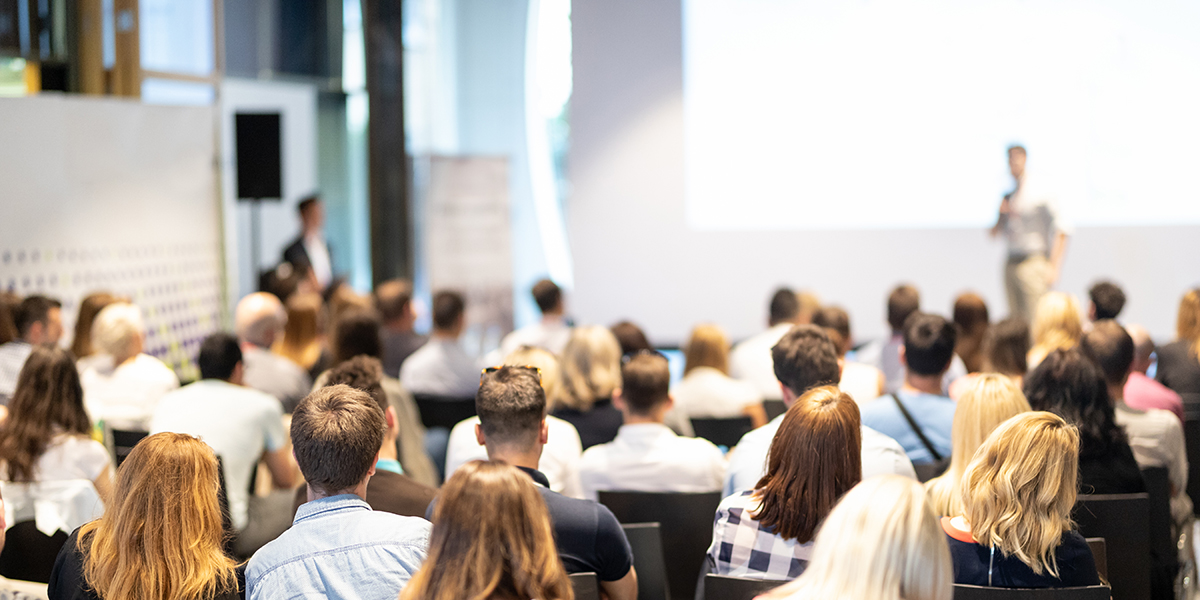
{"x":1111,"y":348}
{"x":392,"y":297}
{"x":929,"y":344}
{"x":835,"y":318}
{"x":448,"y":307}
{"x":805,"y":358}
{"x":220,"y":354}
{"x":646,"y":382}
{"x":361,"y":373}
{"x":547,"y":294}
{"x":307,"y":203}
{"x":1108,"y":298}
{"x":511,"y":405}
{"x":902,"y":303}
{"x":1006,"y":347}
{"x":356,"y":333}
{"x":336,"y":434}
{"x":785,"y":306}
{"x":630,"y":337}
{"x":33,"y":309}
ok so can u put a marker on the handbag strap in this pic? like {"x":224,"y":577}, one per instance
{"x":916,"y":428}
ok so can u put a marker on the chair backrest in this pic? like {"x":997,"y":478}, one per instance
{"x":1191,"y":439}
{"x":686,"y":521}
{"x":443,"y":411}
{"x":974,"y":592}
{"x":29,"y":554}
{"x":1123,"y":520}
{"x":645,"y":539}
{"x":723,"y":432}
{"x":722,"y":587}
{"x":1100,"y":555}
{"x":929,"y":470}
{"x":586,"y":586}
{"x":774,"y":408}
{"x":1164,"y":558}
{"x":123,"y":442}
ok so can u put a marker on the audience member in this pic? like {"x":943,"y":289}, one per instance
{"x":862,"y":381}
{"x":441,"y":367}
{"x":1057,"y":325}
{"x":89,"y":307}
{"x":991,"y":400}
{"x":491,"y":539}
{"x":902,"y":303}
{"x":1005,"y":351}
{"x":337,"y":546}
{"x":161,"y":539}
{"x":806,"y":358}
{"x":241,"y":425}
{"x":630,"y":337}
{"x":552,"y":332}
{"x":123,"y":386}
{"x":1018,"y":492}
{"x":917,"y":415}
{"x":707,"y":390}
{"x":393,"y":299}
{"x":1072,"y":387}
{"x":11,"y":589}
{"x":38,"y":321}
{"x":389,"y":490}
{"x":1107,"y":301}
{"x":750,"y":359}
{"x":880,"y":542}
{"x":511,"y":406}
{"x":1178,"y":362}
{"x":9,"y":303}
{"x":260,"y":320}
{"x":767,"y":532}
{"x":560,"y":460}
{"x":971,"y":318}
{"x":310,"y":252}
{"x":303,"y":340}
{"x":1140,"y":391}
{"x":646,"y":455}
{"x":1155,"y":436}
{"x":591,"y":372}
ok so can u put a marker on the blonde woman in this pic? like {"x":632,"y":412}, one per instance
{"x":881,"y":542}
{"x":991,"y":400}
{"x":303,"y":340}
{"x":591,"y":372}
{"x":491,"y":540}
{"x":155,"y":541}
{"x":1057,"y":325}
{"x":124,"y":388}
{"x":707,"y":390}
{"x":1179,"y":361}
{"x":1017,"y":493}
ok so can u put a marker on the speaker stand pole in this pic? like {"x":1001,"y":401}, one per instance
{"x":255,"y":226}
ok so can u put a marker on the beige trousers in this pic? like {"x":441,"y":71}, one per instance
{"x":1025,"y":282}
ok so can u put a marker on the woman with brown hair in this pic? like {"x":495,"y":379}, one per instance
{"x":707,"y":390}
{"x":1179,"y":361}
{"x":89,"y":307}
{"x":160,"y":539}
{"x":303,"y":339}
{"x":815,"y":458}
{"x":971,"y":318}
{"x":8,"y":321}
{"x":491,"y":540}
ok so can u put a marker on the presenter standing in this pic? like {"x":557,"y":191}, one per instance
{"x":1036,"y":236}
{"x":310,"y":251}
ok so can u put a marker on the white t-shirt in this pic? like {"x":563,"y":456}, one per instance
{"x":68,"y":457}
{"x":861,"y":381}
{"x":440,"y":367}
{"x":550,"y":335}
{"x":649,"y":457}
{"x":560,"y":456}
{"x":126,"y":395}
{"x":710,"y":394}
{"x":1156,"y":438}
{"x":751,"y":361}
{"x":237,"y":422}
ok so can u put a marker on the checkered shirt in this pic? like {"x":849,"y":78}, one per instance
{"x":743,"y":548}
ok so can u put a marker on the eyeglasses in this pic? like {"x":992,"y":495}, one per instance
{"x":643,"y":352}
{"x":536,"y":371}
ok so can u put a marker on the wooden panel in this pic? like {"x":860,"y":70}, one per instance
{"x":127,"y":71}
{"x":90,"y":61}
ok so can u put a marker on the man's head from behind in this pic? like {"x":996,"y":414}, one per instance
{"x":512,"y":409}
{"x":336,"y":435}
{"x":1107,"y":300}
{"x":448,"y":310}
{"x":39,"y":320}
{"x":785,"y":307}
{"x":220,"y":358}
{"x":645,"y":385}
{"x":902,"y":303}
{"x":393,"y":299}
{"x":259,"y":319}
{"x":805,"y":358}
{"x":1111,"y":348}
{"x":548,"y":297}
{"x":928,"y":344}
{"x":1143,"y":347}
{"x":365,"y":373}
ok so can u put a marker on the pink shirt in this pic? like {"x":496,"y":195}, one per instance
{"x":1143,"y":393}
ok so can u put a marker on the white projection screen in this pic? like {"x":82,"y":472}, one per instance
{"x":720,"y":148}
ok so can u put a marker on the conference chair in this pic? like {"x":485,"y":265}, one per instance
{"x":586,"y":586}
{"x":723,"y":587}
{"x":774,"y":408}
{"x":1123,"y":520}
{"x":974,"y":592}
{"x":1100,"y":556}
{"x":645,"y":539}
{"x":1191,"y":438}
{"x":443,"y":411}
{"x":1164,"y":558}
{"x":723,"y":432}
{"x":122,"y":441}
{"x":686,"y":520}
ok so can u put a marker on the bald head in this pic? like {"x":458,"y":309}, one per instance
{"x":260,"y":317}
{"x":1143,"y":347}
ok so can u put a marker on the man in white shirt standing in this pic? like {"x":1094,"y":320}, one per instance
{"x":646,"y":455}
{"x":441,"y":367}
{"x":310,"y":251}
{"x":552,"y":332}
{"x":39,"y":323}
{"x":750,"y":359}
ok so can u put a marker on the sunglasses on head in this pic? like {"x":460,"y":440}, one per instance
{"x":536,"y":371}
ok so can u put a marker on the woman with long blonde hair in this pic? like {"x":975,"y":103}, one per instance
{"x":160,"y":538}
{"x":491,"y":540}
{"x":1057,"y":325}
{"x":881,"y":542}
{"x":990,"y":400}
{"x":1017,"y":494}
{"x":1179,"y":361}
{"x":590,"y":366}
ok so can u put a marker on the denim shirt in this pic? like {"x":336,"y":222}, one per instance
{"x":338,"y":547}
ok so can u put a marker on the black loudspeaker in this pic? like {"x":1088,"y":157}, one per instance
{"x":259,"y":173}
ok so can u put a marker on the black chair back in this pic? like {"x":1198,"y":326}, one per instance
{"x":1164,"y":558}
{"x":646,"y":541}
{"x":774,"y":408}
{"x":1123,"y":520}
{"x":973,"y":592}
{"x":1100,"y":556}
{"x":721,"y":587}
{"x":723,"y":432}
{"x":686,"y":520}
{"x":443,"y":411}
{"x":29,"y":554}
{"x":223,"y":502}
{"x":124,"y":441}
{"x":927,"y":471}
{"x":586,"y":586}
{"x":1191,"y":439}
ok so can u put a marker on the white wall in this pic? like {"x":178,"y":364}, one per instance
{"x":635,"y":257}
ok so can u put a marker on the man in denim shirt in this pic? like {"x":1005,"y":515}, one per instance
{"x":337,"y":546}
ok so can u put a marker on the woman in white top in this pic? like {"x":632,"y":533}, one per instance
{"x":863,"y":382}
{"x":123,"y":388}
{"x":707,"y":390}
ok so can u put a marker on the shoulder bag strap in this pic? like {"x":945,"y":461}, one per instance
{"x":916,"y":428}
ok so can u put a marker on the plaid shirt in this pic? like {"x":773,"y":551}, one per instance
{"x":743,"y":548}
